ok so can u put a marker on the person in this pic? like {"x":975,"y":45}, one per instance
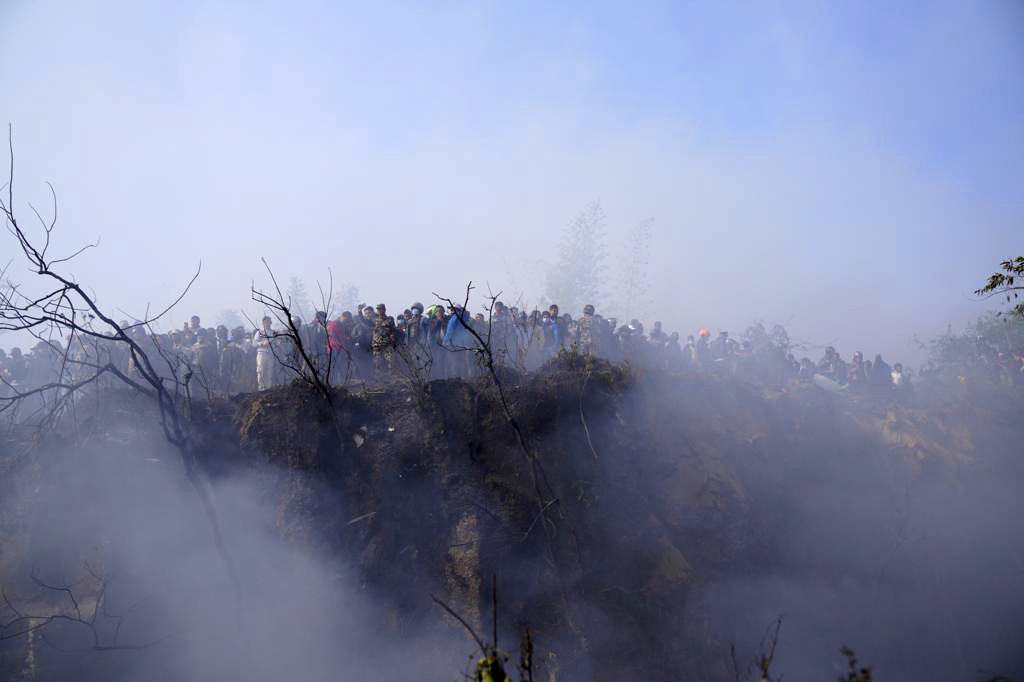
{"x":658,"y":336}
{"x":550,"y":333}
{"x":415,"y":329}
{"x":266,"y":363}
{"x":840,"y":370}
{"x":360,"y":341}
{"x":631,"y":339}
{"x":459,"y":340}
{"x":690,"y":352}
{"x":206,"y":359}
{"x":720,"y":348}
{"x":337,"y":349}
{"x":558,"y":338}
{"x":435,"y":326}
{"x":384,"y":341}
{"x":193,"y":324}
{"x":856,"y":376}
{"x":881,"y":375}
{"x":703,"y":348}
{"x":900,"y":382}
{"x":17,"y":366}
{"x":586,"y":331}
{"x":230,"y":360}
{"x":672,"y":354}
{"x":792,"y":367}
{"x":503,"y":337}
{"x":833,"y":367}
{"x":807,"y":371}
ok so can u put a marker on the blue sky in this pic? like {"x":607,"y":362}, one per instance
{"x":851,"y":169}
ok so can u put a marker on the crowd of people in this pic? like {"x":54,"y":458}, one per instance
{"x":370,"y":345}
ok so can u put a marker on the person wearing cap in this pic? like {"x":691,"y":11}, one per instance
{"x":384,"y":340}
{"x":586,"y":332}
{"x":414,"y":327}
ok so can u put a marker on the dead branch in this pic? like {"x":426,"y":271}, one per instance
{"x":67,"y":310}
{"x":280,"y":306}
{"x":102,"y":638}
{"x":462,"y":621}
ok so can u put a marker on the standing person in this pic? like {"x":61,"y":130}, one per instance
{"x":550,"y":333}
{"x":415,"y":337}
{"x":536,"y":340}
{"x":206,"y":359}
{"x":435,"y":324}
{"x":856,"y":376}
{"x":414,"y":325}
{"x":881,"y":375}
{"x":558,"y":330}
{"x":587,"y":331}
{"x":720,"y":347}
{"x":658,"y":336}
{"x":703,"y":348}
{"x":229,"y":359}
{"x":901,"y":383}
{"x":360,"y":340}
{"x":459,"y":340}
{"x":316,"y":342}
{"x":337,"y":350}
{"x":502,"y":337}
{"x":385,"y":338}
{"x":672,"y":354}
{"x":293,"y":356}
{"x":266,"y":363}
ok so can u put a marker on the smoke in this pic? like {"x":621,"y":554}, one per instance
{"x":916,"y":566}
{"x":131,"y":517}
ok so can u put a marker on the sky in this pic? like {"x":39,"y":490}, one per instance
{"x":852,"y":170}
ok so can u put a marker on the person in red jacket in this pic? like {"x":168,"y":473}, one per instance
{"x":337,"y":345}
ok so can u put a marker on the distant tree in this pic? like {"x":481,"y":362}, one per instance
{"x":577,"y":277}
{"x":998,"y":333}
{"x":633,"y":280}
{"x":345,"y":298}
{"x":1008,"y":281}
{"x":230,"y":318}
{"x":299,"y":301}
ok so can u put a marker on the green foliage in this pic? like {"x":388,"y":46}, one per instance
{"x":999,"y":332}
{"x":1004,"y":282}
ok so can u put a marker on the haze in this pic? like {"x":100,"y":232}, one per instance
{"x":853,"y":172}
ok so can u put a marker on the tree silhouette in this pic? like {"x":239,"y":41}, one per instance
{"x":577,"y":277}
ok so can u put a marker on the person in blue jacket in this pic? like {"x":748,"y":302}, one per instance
{"x":459,"y":340}
{"x":457,"y":336}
